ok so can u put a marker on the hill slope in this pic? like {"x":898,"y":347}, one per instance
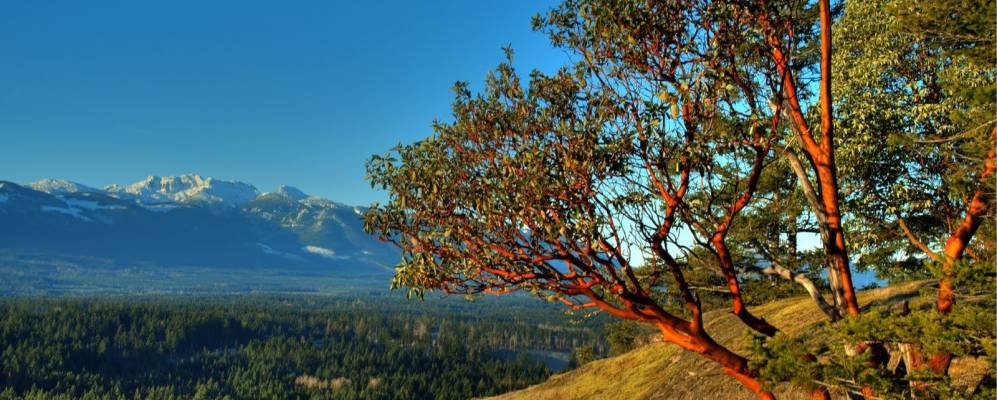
{"x":664,"y":371}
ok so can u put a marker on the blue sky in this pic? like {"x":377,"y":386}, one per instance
{"x":298,"y":93}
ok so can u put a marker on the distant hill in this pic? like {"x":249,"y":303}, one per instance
{"x":180,"y":223}
{"x":664,"y":371}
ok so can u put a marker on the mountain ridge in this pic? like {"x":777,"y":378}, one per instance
{"x":189,"y":220}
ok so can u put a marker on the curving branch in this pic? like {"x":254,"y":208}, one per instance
{"x":775,"y":268}
{"x":915,"y":241}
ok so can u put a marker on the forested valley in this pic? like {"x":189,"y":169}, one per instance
{"x":276,"y":347}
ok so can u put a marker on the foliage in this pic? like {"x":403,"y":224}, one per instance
{"x":623,"y":336}
{"x":915,"y":118}
{"x":582,"y":355}
{"x":817,"y":357}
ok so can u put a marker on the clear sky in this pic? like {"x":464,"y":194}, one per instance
{"x":266,"y":92}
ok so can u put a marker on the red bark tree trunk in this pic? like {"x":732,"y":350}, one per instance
{"x":957,"y":243}
{"x":733,"y":365}
{"x":955,"y":246}
{"x":821,"y":155}
{"x":827,"y":173}
{"x":737,"y":303}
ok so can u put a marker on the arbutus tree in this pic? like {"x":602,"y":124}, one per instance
{"x":531,"y":190}
{"x":579,"y":187}
{"x":751,"y":47}
{"x":601,"y":185}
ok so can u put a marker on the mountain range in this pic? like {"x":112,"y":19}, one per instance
{"x":176,"y":223}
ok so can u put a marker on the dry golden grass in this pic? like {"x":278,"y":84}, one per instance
{"x":664,"y":371}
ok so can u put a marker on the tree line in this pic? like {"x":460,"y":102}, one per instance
{"x":279,"y":348}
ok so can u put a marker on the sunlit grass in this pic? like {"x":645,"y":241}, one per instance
{"x":663,"y":371}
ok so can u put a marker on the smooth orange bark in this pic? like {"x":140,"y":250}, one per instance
{"x":957,"y":243}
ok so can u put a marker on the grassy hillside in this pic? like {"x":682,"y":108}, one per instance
{"x":664,"y":371}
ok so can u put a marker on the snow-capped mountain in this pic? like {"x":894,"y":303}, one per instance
{"x":61,"y":186}
{"x":186,"y":189}
{"x":189,"y":220}
{"x":291,"y":192}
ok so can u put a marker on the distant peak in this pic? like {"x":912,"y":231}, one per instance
{"x":187,"y":188}
{"x":60,"y":186}
{"x":291,"y":192}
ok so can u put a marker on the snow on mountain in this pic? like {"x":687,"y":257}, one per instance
{"x":92,"y":205}
{"x":161,"y":208}
{"x":291,"y":192}
{"x":290,"y":256}
{"x":82,"y":209}
{"x":70,"y":211}
{"x":324,"y":252}
{"x":318,"y":202}
{"x":61,"y":186}
{"x":191,"y":188}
